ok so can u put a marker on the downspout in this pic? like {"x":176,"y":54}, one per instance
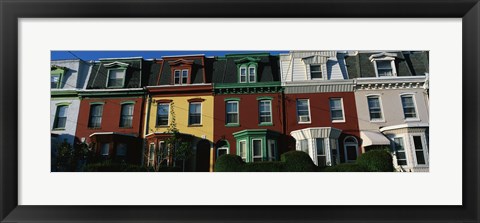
{"x":145,"y":130}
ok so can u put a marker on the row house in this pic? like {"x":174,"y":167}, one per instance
{"x":248,"y":107}
{"x":67,"y":77}
{"x":110,"y":118}
{"x":180,"y":96}
{"x":391,"y":95}
{"x":320,"y":112}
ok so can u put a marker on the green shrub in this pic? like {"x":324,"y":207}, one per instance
{"x":298,"y":161}
{"x":376,"y":161}
{"x":264,"y":167}
{"x":229,"y":163}
{"x":345,"y":167}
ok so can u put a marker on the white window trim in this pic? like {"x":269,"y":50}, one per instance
{"x":248,"y":74}
{"x":246,"y":148}
{"x":392,"y":63}
{"x":414,"y":153}
{"x":124,"y":76}
{"x":271,"y":114}
{"x":151,"y":160}
{"x":223,"y":148}
{"x":345,"y":148}
{"x":261,"y":149}
{"x":407,"y":159}
{"x":326,"y":149}
{"x":238,"y":112}
{"x":416,"y":119}
{"x":310,"y":71}
{"x":168,"y":114}
{"x":201,"y":112}
{"x":343,"y":112}
{"x":309,"y":112}
{"x":180,"y":81}
{"x":381,"y":108}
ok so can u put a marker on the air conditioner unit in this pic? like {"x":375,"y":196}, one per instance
{"x":304,"y":118}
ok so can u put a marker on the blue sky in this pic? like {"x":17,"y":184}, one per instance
{"x":95,"y":55}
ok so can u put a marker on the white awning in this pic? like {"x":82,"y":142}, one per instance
{"x":373,"y":138}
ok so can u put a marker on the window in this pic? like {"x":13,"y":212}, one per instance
{"x":243,"y":75}
{"x":384,"y":68}
{"x":304,"y":145}
{"x":408,"y":107}
{"x":95,"y":120}
{"x":163,"y":110}
{"x":374,"y":108}
{"x":222,"y":151}
{"x":194,"y":114}
{"x":419,"y":153}
{"x":251,"y":75}
{"x":180,"y":76}
{"x":257,"y":150}
{"x":303,"y":111}
{"x":54,"y":81}
{"x":271,"y":150}
{"x":105,"y":149}
{"x":321,"y":155}
{"x":336,"y":109}
{"x":232,"y":112}
{"x":265,"y":111}
{"x":350,"y":146}
{"x":121,"y":149}
{"x":315,"y":71}
{"x":400,"y":151}
{"x":116,"y":78}
{"x":60,"y":117}
{"x":242,"y":150}
{"x":177,"y":77}
{"x":162,"y":152}
{"x":248,"y":74}
{"x":126,"y":117}
{"x":184,"y":76}
{"x":151,"y":154}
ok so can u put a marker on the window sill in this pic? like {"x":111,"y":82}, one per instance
{"x":232,"y":125}
{"x":303,"y":123}
{"x":195,"y":125}
{"x":265,"y":124}
{"x":338,"y":121}
{"x":58,"y":129}
{"x":378,"y":120}
{"x":411,"y":120}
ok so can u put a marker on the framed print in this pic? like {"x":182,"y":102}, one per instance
{"x":194,"y":45}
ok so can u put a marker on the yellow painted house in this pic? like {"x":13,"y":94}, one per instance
{"x":179,"y":106}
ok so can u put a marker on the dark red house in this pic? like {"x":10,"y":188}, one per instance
{"x":248,"y":107}
{"x":111,"y":109}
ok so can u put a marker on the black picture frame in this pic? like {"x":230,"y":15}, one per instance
{"x":11,"y":11}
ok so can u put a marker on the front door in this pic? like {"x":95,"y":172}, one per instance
{"x":203,"y":156}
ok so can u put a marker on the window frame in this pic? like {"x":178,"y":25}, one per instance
{"x":227,"y":113}
{"x":324,"y":146}
{"x":382,"y":115}
{"x":270,"y":111}
{"x":89,"y":125}
{"x":252,"y":150}
{"x":243,"y":67}
{"x":102,"y":153}
{"x":55,"y":121}
{"x":168,"y":115}
{"x":345,"y":144}
{"x":403,"y":151}
{"x":151,"y":156}
{"x":239,"y":152}
{"x":424,"y":150}
{"x":308,"y":110}
{"x":123,"y":81}
{"x":59,"y":76}
{"x":117,"y":149}
{"x":311,"y":72}
{"x":189,"y":119}
{"x":392,"y":65}
{"x":331,"y":111}
{"x":122,"y":115}
{"x":412,"y":95}
{"x":272,"y":154}
{"x":251,"y":66}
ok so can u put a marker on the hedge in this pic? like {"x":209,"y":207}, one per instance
{"x":345,"y":167}
{"x":229,"y":163}
{"x":298,"y":161}
{"x":376,"y":161}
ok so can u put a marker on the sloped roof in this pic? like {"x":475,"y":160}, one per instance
{"x":161,"y":72}
{"x":408,"y":63}
{"x":136,"y":76}
{"x":225,"y":68}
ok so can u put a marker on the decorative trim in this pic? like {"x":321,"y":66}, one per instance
{"x":264,"y":98}
{"x":97,"y":103}
{"x":163,"y":101}
{"x":232,"y":99}
{"x":128,"y":102}
{"x":63,"y":103}
{"x":196,"y":100}
{"x":117,"y":63}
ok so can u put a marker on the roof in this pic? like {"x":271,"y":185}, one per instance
{"x":161,"y":72}
{"x":225,"y":68}
{"x":136,"y":75}
{"x":407,"y":63}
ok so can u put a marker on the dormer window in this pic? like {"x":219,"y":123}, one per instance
{"x":116,"y":77}
{"x":54,"y":81}
{"x":315,"y":71}
{"x":384,"y":68}
{"x":181,"y":77}
{"x":56,"y":76}
{"x":248,"y":74}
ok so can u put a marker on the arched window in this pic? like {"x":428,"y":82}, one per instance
{"x":350,"y":146}
{"x":222,"y":148}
